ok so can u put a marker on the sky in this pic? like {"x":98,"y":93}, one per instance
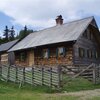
{"x":40,"y":14}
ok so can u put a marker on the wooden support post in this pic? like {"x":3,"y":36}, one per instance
{"x":99,"y":74}
{"x":94,"y":74}
{"x":51,"y":76}
{"x":59,"y":76}
{"x":24,"y":75}
{"x":0,"y":71}
{"x":16,"y":74}
{"x":42,"y":76}
{"x":8,"y":74}
{"x":32,"y":75}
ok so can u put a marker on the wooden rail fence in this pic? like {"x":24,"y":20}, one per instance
{"x":34,"y":75}
{"x":91,"y":72}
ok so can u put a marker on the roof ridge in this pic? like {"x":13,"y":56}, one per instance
{"x":42,"y":37}
{"x":79,"y":19}
{"x":65,"y":23}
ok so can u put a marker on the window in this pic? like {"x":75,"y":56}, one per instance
{"x":46,"y":53}
{"x":91,"y":37}
{"x":61,"y":52}
{"x":85,"y":34}
{"x":22,"y":56}
{"x":81,"y":52}
{"x":93,"y":55}
{"x":96,"y":55}
{"x":89,"y":53}
{"x":53,"y":52}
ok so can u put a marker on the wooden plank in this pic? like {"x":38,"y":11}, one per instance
{"x":24,"y":75}
{"x":83,"y":70}
{"x":0,"y":71}
{"x":8,"y":73}
{"x":51,"y":77}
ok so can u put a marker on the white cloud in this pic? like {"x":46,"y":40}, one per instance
{"x":41,"y":13}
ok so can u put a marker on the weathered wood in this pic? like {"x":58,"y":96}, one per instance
{"x":16,"y":74}
{"x":8,"y":73}
{"x":45,"y":76}
{"x":83,"y":70}
{"x":0,"y":71}
{"x":94,"y":75}
{"x":4,"y":58}
{"x":53,"y":59}
{"x":51,"y":77}
{"x":42,"y":76}
{"x":24,"y":75}
{"x":59,"y":76}
{"x":86,"y":44}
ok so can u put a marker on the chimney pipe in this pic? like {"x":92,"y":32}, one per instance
{"x":59,"y":20}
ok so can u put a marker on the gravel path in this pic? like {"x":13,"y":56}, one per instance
{"x":83,"y":95}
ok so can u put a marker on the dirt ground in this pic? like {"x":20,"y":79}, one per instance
{"x":84,"y":95}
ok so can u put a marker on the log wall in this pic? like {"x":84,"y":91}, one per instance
{"x":53,"y":59}
{"x":29,"y":60}
{"x":86,"y":44}
{"x":4,"y":58}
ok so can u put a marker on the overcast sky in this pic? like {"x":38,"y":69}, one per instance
{"x":39,"y":14}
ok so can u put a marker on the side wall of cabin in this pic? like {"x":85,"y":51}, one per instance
{"x":4,"y":58}
{"x":86,"y":49}
{"x":24,"y":58}
{"x":45,"y":55}
{"x":57,"y":54}
{"x":7,"y":58}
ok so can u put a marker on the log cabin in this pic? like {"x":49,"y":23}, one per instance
{"x":72,"y":43}
{"x":6,"y":57}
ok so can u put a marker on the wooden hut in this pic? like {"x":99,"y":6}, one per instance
{"x":6,"y":57}
{"x":76,"y":42}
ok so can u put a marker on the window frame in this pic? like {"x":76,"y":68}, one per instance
{"x":61,"y":53}
{"x":45,"y":53}
{"x":23,"y":56}
{"x":96,"y":54}
{"x":81,"y":52}
{"x":89,"y":53}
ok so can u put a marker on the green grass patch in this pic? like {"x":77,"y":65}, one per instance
{"x":10,"y":91}
{"x":95,"y":98}
{"x":78,"y":84}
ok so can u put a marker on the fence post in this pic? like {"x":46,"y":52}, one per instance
{"x":0,"y":71}
{"x":33,"y":75}
{"x":99,"y":73}
{"x":42,"y":76}
{"x":51,"y":76}
{"x":59,"y":76}
{"x":8,"y":73}
{"x":16,"y":74}
{"x":23,"y":75}
{"x":94,"y":74}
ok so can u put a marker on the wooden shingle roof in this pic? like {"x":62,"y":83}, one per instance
{"x":7,"y":46}
{"x":60,"y":33}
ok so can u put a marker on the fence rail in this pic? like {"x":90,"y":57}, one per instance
{"x":49,"y":76}
{"x":34,"y":75}
{"x":90,"y":72}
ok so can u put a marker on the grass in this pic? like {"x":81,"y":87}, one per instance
{"x":10,"y":91}
{"x":78,"y":84}
{"x":95,"y":98}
